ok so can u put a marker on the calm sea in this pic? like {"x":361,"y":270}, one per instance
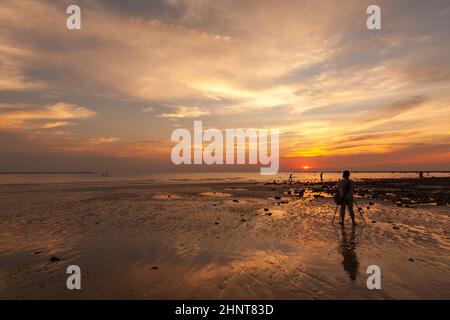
{"x":26,"y":178}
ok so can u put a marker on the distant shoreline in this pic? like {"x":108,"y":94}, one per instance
{"x":212,"y":172}
{"x":69,"y":172}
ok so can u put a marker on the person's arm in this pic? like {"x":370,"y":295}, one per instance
{"x":339,"y":186}
{"x":352,"y":188}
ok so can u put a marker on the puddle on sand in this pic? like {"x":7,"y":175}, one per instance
{"x":161,"y":196}
{"x":215,"y":194}
{"x":310,"y":194}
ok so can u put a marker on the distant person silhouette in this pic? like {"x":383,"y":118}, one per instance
{"x":321,"y":177}
{"x":290,"y":178}
{"x":348,"y":200}
{"x":421,"y":174}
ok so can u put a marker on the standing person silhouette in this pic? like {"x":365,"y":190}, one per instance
{"x":346,"y":187}
{"x":321,"y":177}
{"x":291,"y":179}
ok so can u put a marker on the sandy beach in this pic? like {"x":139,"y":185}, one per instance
{"x":234,"y":240}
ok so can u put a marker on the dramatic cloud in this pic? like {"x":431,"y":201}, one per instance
{"x":37,"y":118}
{"x":102,"y":140}
{"x":148,"y":109}
{"x":185,"y":112}
{"x":311,"y":69}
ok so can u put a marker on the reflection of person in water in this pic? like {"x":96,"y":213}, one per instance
{"x":348,"y":250}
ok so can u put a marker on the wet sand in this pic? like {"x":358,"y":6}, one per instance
{"x":241,"y":240}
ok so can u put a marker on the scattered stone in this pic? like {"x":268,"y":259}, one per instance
{"x":373,"y":221}
{"x":37,"y":252}
{"x":154,"y":268}
{"x":222,"y":285}
{"x":266,"y":209}
{"x":216,"y":223}
{"x":368,"y":207}
{"x":54,"y":259}
{"x":243,"y":220}
{"x":395,"y":228}
{"x":371,"y":203}
{"x":277,"y":198}
{"x":234,"y":200}
{"x":269,"y":214}
{"x":411,"y":259}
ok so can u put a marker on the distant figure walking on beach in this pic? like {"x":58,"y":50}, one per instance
{"x":346,"y":187}
{"x":290,"y":178}
{"x":321,"y":177}
{"x":421,"y":174}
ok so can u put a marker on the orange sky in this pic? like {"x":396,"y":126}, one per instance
{"x":108,"y":96}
